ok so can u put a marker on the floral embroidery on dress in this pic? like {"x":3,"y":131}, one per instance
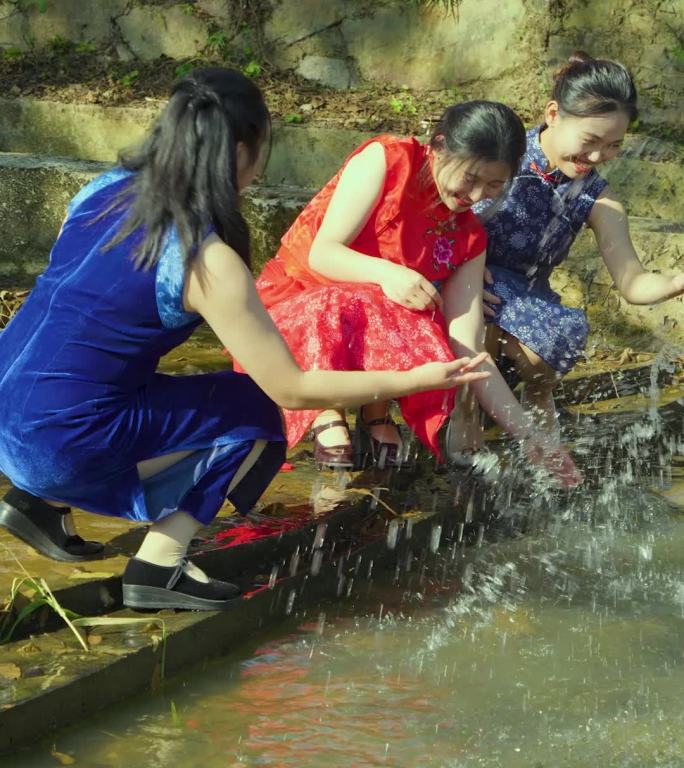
{"x":443,"y":247}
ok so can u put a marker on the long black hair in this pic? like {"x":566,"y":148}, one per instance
{"x":186,"y":169}
{"x":487,"y":130}
{"x":586,"y":87}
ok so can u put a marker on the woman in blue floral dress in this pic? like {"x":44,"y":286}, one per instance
{"x":558,"y":191}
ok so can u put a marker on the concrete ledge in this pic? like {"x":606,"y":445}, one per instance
{"x":301,"y":155}
{"x":36,"y":191}
{"x":649,"y":177}
{"x":127,"y":659}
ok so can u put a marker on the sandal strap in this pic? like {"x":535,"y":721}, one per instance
{"x":377,"y":422}
{"x":322,"y":427}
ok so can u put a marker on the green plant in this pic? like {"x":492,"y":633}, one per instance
{"x":293,"y":117}
{"x":40,"y":595}
{"x":404,"y":104}
{"x":85,"y":47}
{"x":59,"y":44}
{"x":184,"y":69}
{"x":677,"y":53}
{"x":217,"y":43}
{"x":12,"y":54}
{"x":448,"y":6}
{"x":129,"y":78}
{"x":41,"y":5}
{"x":252,"y":68}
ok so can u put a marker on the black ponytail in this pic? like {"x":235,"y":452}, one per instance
{"x":186,"y":170}
{"x":586,"y":87}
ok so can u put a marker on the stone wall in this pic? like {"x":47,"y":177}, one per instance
{"x":489,"y":48}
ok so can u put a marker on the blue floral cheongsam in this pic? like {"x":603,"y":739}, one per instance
{"x":530,"y":232}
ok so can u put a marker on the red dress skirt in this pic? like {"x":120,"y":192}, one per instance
{"x":331,"y":325}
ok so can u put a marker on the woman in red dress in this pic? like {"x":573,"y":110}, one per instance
{"x":354,"y":283}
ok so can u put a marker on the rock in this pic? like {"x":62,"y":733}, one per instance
{"x":308,"y":107}
{"x":335,"y":73}
{"x":15,"y":90}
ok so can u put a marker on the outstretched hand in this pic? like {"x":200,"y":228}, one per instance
{"x":452,"y":374}
{"x":549,"y":454}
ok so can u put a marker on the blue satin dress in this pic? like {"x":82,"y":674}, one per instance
{"x":81,"y":401}
{"x":529,"y":233}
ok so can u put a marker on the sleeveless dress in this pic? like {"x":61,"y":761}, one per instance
{"x":529,"y":232}
{"x":81,"y":402}
{"x":345,"y":326}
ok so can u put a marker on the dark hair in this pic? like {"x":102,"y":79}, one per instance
{"x":186,"y":169}
{"x":483,"y":129}
{"x":585,"y":87}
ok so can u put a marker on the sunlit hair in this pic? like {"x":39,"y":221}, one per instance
{"x":586,"y":87}
{"x":483,"y":130}
{"x":185,"y":172}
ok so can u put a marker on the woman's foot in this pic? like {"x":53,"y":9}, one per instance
{"x":182,"y":586}
{"x":47,"y":528}
{"x":332,"y":444}
{"x":384,"y":439}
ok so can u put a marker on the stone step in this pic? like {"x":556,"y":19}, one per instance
{"x":48,"y":680}
{"x":649,"y":176}
{"x":301,"y":155}
{"x":37,"y":188}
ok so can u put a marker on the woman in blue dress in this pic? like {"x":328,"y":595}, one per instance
{"x":533,"y":337}
{"x":147,"y":252}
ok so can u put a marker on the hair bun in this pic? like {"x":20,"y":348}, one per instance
{"x":576,"y":57}
{"x":579,"y":57}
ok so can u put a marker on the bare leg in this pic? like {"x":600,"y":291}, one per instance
{"x":383,"y":433}
{"x":334,"y":435}
{"x":167,"y":540}
{"x":539,"y":378}
{"x":465,"y":430}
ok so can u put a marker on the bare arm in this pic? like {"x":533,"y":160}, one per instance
{"x":608,"y":220}
{"x":357,"y":193}
{"x":463,"y":313}
{"x":221,"y":289}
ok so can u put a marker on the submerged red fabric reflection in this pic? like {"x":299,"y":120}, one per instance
{"x":353,"y":326}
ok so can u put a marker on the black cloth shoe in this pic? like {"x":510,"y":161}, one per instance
{"x":146,"y":585}
{"x":43,"y":527}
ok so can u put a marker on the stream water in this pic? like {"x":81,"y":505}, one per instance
{"x":560,"y":646}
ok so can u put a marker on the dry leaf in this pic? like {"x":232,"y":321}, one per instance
{"x":10,"y":671}
{"x":63,"y":758}
{"x":82,"y":574}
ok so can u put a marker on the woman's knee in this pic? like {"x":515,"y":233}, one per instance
{"x":529,"y":366}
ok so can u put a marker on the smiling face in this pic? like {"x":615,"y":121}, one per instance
{"x":461,"y":182}
{"x":575,"y":145}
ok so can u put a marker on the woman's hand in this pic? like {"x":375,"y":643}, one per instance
{"x":489,"y":297}
{"x":452,"y":374}
{"x":547,"y":453}
{"x":409,"y":288}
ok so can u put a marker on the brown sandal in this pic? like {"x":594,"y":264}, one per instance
{"x":385,"y":455}
{"x":332,"y":456}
